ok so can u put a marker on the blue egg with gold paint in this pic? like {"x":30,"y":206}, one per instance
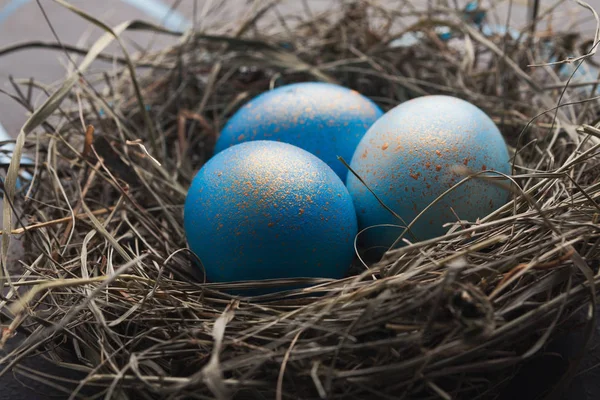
{"x":324,"y":119}
{"x":408,"y":159}
{"x":265,"y":210}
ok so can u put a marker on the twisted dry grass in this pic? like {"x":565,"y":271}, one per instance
{"x":106,"y":276}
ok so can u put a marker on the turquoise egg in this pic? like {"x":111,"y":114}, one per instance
{"x":408,"y":159}
{"x":265,"y":210}
{"x":324,"y":119}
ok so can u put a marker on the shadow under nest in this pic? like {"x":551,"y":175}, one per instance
{"x":107,"y":283}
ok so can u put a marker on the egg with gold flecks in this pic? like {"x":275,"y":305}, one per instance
{"x":324,"y":119}
{"x":266,"y":210}
{"x":408,"y":158}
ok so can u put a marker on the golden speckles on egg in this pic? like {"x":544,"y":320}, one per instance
{"x":385,"y":146}
{"x":439,"y":153}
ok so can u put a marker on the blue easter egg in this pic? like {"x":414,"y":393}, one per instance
{"x":500,"y":30}
{"x":580,"y":73}
{"x":407,"y":159}
{"x":324,"y":119}
{"x":266,"y":210}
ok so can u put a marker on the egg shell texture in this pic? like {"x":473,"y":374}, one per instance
{"x":263,"y":209}
{"x":324,"y":119}
{"x":407,"y":159}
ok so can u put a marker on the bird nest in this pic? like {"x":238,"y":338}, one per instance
{"x":107,"y":285}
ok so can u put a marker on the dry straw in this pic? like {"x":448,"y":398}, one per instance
{"x":107,"y":279}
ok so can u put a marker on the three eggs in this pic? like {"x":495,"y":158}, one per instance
{"x":275,"y":201}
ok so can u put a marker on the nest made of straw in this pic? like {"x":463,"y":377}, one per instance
{"x":106,"y":278}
